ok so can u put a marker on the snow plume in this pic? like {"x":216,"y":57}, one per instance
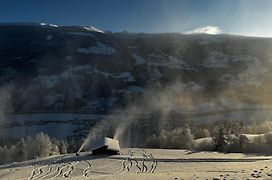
{"x":5,"y":101}
{"x":104,"y":128}
{"x":170,"y":106}
{"x":140,"y":119}
{"x":206,"y":30}
{"x":115,"y":126}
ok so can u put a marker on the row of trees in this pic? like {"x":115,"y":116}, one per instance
{"x":225,"y":136}
{"x":31,"y":148}
{"x":180,"y":138}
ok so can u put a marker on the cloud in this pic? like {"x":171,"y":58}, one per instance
{"x":206,"y":30}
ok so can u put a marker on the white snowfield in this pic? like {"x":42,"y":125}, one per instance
{"x":147,"y":164}
{"x":91,"y":28}
{"x":100,"y":48}
{"x":51,"y":25}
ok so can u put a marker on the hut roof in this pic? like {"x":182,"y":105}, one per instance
{"x":105,"y":143}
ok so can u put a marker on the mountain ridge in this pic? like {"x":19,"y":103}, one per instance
{"x":30,"y":54}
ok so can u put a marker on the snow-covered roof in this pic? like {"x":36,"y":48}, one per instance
{"x":110,"y":144}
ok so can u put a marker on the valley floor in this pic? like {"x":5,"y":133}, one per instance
{"x":146,"y":164}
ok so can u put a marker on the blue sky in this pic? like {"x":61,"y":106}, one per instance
{"x":247,"y":17}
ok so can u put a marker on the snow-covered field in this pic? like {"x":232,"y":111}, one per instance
{"x":143,"y":164}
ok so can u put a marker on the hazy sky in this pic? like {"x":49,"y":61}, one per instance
{"x":247,"y":17}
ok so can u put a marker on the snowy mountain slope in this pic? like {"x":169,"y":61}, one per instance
{"x":60,"y":69}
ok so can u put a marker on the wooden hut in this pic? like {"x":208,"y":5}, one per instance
{"x":105,"y":145}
